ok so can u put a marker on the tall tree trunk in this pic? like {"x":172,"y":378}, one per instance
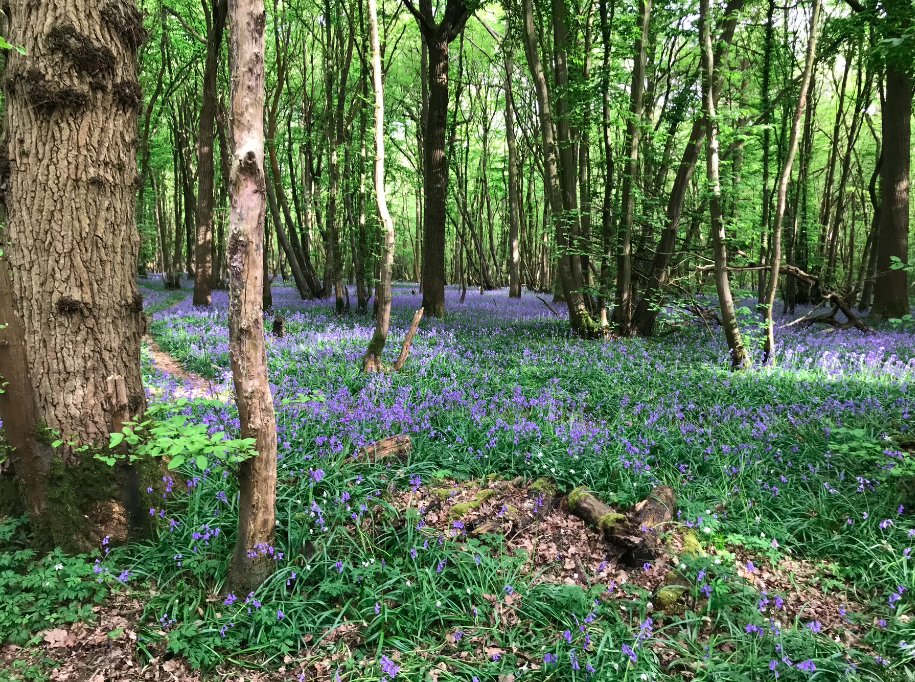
{"x":738,"y":353}
{"x":606,"y":23}
{"x":579,"y":317}
{"x":30,"y":455}
{"x":253,"y":557}
{"x":870,"y":263}
{"x":766,"y":146}
{"x":623,"y":313}
{"x":782,"y":187}
{"x":825,"y":238}
{"x":203,"y":252}
{"x":647,"y":310}
{"x":891,"y":288}
{"x":435,"y":181}
{"x":372,"y":360}
{"x":72,"y":246}
{"x":514,"y":192}
{"x":436,"y":37}
{"x":301,"y":282}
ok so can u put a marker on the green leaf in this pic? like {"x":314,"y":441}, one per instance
{"x":116,"y":439}
{"x":201,"y":462}
{"x":176,"y":462}
{"x":6,"y":45}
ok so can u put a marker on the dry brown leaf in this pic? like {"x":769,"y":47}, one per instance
{"x":58,"y":638}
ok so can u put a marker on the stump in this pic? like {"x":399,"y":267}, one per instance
{"x":392,"y":446}
{"x":279,"y":326}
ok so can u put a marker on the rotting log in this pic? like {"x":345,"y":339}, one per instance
{"x":656,"y":511}
{"x":595,"y":513}
{"x":637,"y":533}
{"x":392,"y":446}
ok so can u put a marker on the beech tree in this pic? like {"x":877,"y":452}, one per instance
{"x":69,"y":285}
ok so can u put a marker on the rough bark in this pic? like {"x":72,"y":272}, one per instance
{"x":251,"y":562}
{"x":72,"y":242}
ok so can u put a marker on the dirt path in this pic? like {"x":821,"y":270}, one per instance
{"x":194,"y":385}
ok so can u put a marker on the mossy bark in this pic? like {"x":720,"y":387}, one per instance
{"x":90,"y":500}
{"x":636,"y":533}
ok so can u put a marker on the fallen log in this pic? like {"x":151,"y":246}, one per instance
{"x":595,"y":513}
{"x":392,"y":446}
{"x":637,"y":534}
{"x":833,"y":297}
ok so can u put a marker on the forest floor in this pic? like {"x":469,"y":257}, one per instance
{"x":788,"y":557}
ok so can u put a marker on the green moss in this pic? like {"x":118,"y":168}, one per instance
{"x":691,"y":545}
{"x":90,"y":499}
{"x":441,"y":493}
{"x":609,"y":520}
{"x":484,"y":495}
{"x":575,"y":497}
{"x":544,"y":486}
{"x":10,"y":497}
{"x":668,"y":597}
{"x":461,"y":509}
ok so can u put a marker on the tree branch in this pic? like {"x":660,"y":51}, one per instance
{"x":186,"y":26}
{"x":424,"y":25}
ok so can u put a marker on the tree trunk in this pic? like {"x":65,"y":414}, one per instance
{"x":436,"y":38}
{"x":782,"y":188}
{"x":372,"y":360}
{"x":623,"y":313}
{"x":646,"y":313}
{"x":514,"y":192}
{"x":253,"y":557}
{"x":435,"y":181}
{"x":203,"y":252}
{"x":72,"y":244}
{"x":739,"y":357}
{"x":766,"y":145}
{"x":579,"y":317}
{"x":891,"y":287}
